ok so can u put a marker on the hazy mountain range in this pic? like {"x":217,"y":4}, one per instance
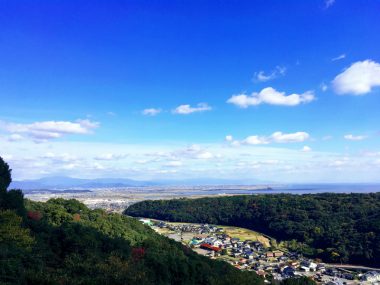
{"x":62,"y":182}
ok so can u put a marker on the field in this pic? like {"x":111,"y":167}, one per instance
{"x":245,"y":234}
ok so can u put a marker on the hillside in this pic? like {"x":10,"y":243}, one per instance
{"x":64,"y":242}
{"x":334,"y":227}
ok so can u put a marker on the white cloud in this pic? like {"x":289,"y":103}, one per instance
{"x":204,"y":155}
{"x":151,"y":111}
{"x":193,"y":152}
{"x":64,"y":157}
{"x":351,"y":137}
{"x":339,"y":57}
{"x":329,"y":3}
{"x":306,"y":149}
{"x":174,"y":163}
{"x":358,"y":79}
{"x":279,"y":137}
{"x":98,"y":166}
{"x":15,"y":137}
{"x":271,"y":96}
{"x":6,"y":156}
{"x":50,"y":129}
{"x":229,"y":138}
{"x":324,"y":86}
{"x":256,"y":140}
{"x":340,"y":162}
{"x":267,"y":162}
{"x":278,"y":71}
{"x":276,"y":137}
{"x":69,"y":166}
{"x":187,"y":109}
{"x":110,"y":156}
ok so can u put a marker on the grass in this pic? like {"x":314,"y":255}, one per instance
{"x":244,"y":234}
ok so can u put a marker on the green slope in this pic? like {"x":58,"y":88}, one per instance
{"x":334,"y":227}
{"x":64,"y":242}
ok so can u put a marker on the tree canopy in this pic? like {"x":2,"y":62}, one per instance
{"x":5,"y":175}
{"x":334,"y":227}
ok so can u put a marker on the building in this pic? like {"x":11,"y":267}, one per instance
{"x":210,"y":247}
{"x":146,"y":222}
{"x":371,"y":276}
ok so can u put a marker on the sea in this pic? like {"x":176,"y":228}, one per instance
{"x":293,"y":189}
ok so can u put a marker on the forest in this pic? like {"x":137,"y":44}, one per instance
{"x":64,"y":242}
{"x":338,"y":228}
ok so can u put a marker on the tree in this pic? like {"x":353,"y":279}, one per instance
{"x":5,"y":175}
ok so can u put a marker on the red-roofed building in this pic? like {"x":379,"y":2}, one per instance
{"x":210,"y":247}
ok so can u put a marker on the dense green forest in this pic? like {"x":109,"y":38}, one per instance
{"x":334,"y":227}
{"x":64,"y":242}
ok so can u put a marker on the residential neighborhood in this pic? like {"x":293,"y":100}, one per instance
{"x":262,"y":257}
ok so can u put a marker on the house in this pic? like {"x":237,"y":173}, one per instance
{"x":210,"y":247}
{"x":348,"y":276}
{"x":371,"y":276}
{"x":249,"y":255}
{"x":288,"y":271}
{"x":335,"y":282}
{"x":331,"y":272}
{"x":311,"y":266}
{"x":261,"y":273}
{"x":234,"y":240}
{"x":321,"y":267}
{"x":269,"y":254}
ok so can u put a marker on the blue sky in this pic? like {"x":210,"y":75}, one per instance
{"x":269,"y":90}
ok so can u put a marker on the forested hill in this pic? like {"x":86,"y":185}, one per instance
{"x":334,"y":227}
{"x":64,"y":242}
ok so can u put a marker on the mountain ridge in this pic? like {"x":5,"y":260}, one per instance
{"x":63,"y":182}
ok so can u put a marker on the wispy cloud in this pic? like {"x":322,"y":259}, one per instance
{"x":306,"y":149}
{"x":151,"y":111}
{"x":187,"y":109}
{"x":339,"y":57}
{"x":324,"y":86}
{"x":263,"y":77}
{"x":276,"y":137}
{"x":110,"y":156}
{"x":271,"y":96}
{"x":351,"y":137}
{"x":329,"y":3}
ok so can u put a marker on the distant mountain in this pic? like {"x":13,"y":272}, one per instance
{"x":213,"y":181}
{"x":62,"y":182}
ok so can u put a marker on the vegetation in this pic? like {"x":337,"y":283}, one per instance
{"x":64,"y":242}
{"x":334,"y":227}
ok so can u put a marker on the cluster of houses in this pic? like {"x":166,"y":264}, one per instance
{"x":371,"y":276}
{"x":253,"y":255}
{"x":191,"y":228}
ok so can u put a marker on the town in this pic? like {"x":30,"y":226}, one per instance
{"x":258,"y":255}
